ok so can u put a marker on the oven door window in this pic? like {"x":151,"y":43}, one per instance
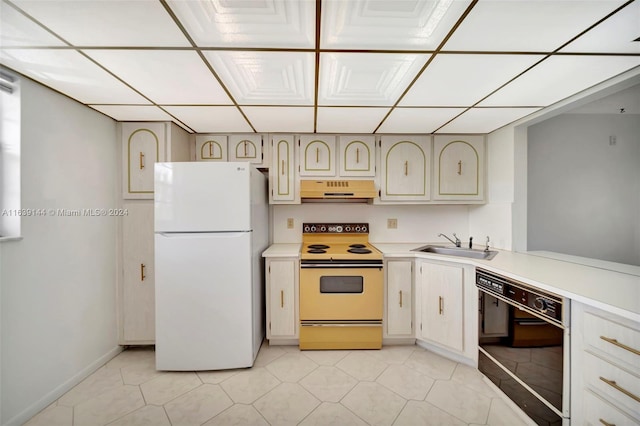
{"x":341,"y":284}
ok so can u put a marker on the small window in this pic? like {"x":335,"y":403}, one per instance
{"x":10,"y":212}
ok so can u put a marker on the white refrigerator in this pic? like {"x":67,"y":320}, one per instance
{"x":211,"y":226}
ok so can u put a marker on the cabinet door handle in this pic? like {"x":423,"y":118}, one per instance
{"x":282,"y":298}
{"x":210,"y":149}
{"x":440,"y":305}
{"x":357,"y":155}
{"x":617,"y":387}
{"x":406,"y":168}
{"x":620,"y":345}
{"x":142,"y":275}
{"x":141,"y":160}
{"x":317,"y":155}
{"x":606,"y":423}
{"x":282,"y":173}
{"x":460,"y":167}
{"x":400,"y":292}
{"x":245,"y":147}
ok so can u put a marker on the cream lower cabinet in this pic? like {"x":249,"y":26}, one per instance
{"x":282,"y":299}
{"x":446,"y":308}
{"x":399,"y":298}
{"x":138,"y":287}
{"x":605,"y":368}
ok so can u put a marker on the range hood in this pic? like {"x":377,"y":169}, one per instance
{"x":352,"y":191}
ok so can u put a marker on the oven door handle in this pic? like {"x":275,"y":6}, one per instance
{"x":338,"y":265}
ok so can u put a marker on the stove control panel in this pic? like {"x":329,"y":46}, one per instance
{"x":335,"y":228}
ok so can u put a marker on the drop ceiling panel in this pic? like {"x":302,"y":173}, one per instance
{"x":526,"y":25}
{"x":390,"y":24}
{"x":208,"y":119}
{"x":417,"y":120}
{"x":281,"y":119}
{"x":349,"y":120}
{"x":485,"y":120}
{"x":165,"y":76}
{"x":374,"y":79}
{"x":559,"y":77}
{"x":18,"y":30}
{"x":107,"y":22}
{"x":69,"y":72}
{"x":462,"y":80}
{"x":133,"y":112}
{"x":616,"y":34}
{"x":266,"y":78}
{"x":266,"y":23}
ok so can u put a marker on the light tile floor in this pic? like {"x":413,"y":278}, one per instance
{"x":398,"y":385}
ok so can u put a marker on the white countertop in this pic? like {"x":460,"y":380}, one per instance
{"x":615,"y":291}
{"x":283,"y":250}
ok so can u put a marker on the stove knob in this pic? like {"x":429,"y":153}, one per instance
{"x":323,"y":228}
{"x":358,"y":229}
{"x":306,"y":228}
{"x":541,"y":304}
{"x":313,"y":229}
{"x":364,"y":229}
{"x":347,"y":228}
{"x":338,"y":228}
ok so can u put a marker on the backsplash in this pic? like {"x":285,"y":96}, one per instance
{"x":416,"y":223}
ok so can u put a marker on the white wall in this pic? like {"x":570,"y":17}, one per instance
{"x":416,"y":223}
{"x":58,"y":283}
{"x":583,"y":193}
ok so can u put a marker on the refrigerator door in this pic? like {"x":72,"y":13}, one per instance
{"x":204,"y":312}
{"x":202,"y":197}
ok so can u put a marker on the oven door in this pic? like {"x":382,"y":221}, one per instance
{"x":341,"y":306}
{"x":341,"y":293}
{"x":529,"y":363}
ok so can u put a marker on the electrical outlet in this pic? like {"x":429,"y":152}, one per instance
{"x":392,"y":223}
{"x":290,"y":223}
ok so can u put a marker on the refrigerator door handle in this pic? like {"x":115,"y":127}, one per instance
{"x":201,"y":234}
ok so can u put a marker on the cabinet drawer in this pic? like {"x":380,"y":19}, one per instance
{"x":599,"y":412}
{"x":612,"y":382}
{"x":614,"y":339}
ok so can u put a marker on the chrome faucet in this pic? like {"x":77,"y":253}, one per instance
{"x":457,"y":242}
{"x":486,"y":248}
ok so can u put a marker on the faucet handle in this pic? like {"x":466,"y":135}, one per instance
{"x":458,"y":242}
{"x":487,"y":245}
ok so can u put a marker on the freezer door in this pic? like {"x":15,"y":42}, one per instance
{"x":204,"y":303}
{"x":202,"y":197}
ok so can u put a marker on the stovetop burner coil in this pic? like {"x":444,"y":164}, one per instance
{"x":359,"y":250}
{"x":318,"y":246}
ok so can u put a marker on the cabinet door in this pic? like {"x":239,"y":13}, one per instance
{"x":317,"y":155}
{"x":143,"y":146}
{"x":282,"y":320}
{"x":441,"y":310}
{"x":138,"y":290}
{"x":211,"y":148}
{"x":459,"y":167}
{"x":404,"y":168}
{"x":247,"y":147}
{"x":399,"y":296}
{"x":357,"y":155}
{"x":282,"y":176}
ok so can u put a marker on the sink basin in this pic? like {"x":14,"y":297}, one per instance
{"x":458,"y":251}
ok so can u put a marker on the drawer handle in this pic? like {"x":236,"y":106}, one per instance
{"x":282,"y":298}
{"x":400,"y":298}
{"x":440,"y":305}
{"x":606,"y":423}
{"x":142,"y":275}
{"x":620,"y":345}
{"x":614,"y":385}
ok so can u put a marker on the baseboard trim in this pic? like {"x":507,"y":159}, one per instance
{"x":56,"y":393}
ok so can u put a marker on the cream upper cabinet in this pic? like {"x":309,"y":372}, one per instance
{"x":248,"y":147}
{"x":317,"y":155}
{"x":282,"y":174}
{"x":356,"y":156}
{"x":405,"y":168}
{"x":211,"y":148}
{"x":459,"y":167}
{"x":137,"y":316}
{"x":144,"y":144}
{"x":282,"y":298}
{"x":399,"y":305}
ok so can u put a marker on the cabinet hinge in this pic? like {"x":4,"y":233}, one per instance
{"x":380,"y":143}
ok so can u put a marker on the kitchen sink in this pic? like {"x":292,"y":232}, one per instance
{"x":458,"y":251}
